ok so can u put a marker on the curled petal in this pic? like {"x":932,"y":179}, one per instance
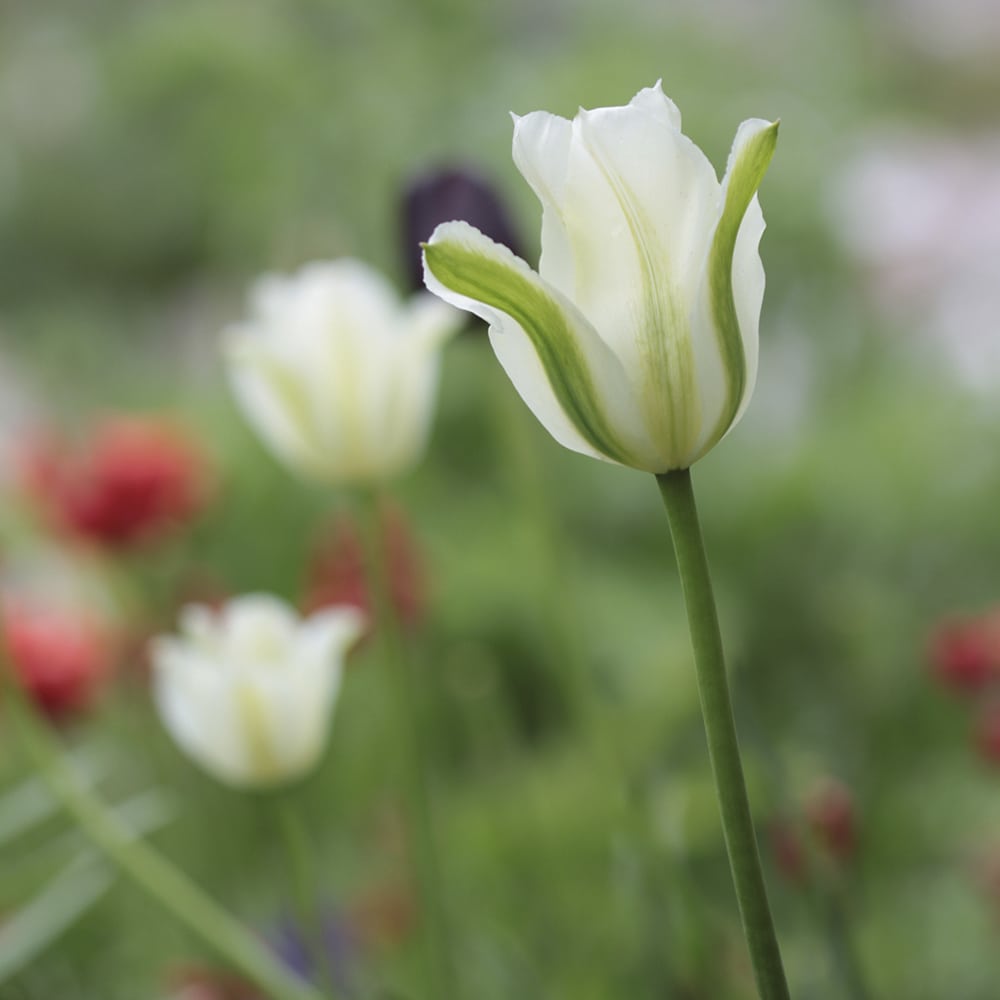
{"x":734,"y":278}
{"x":566,"y":374}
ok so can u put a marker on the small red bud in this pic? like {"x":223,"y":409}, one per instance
{"x":339,"y":572}
{"x":831,"y":815}
{"x":787,"y":850}
{"x":965,"y":654}
{"x":987,"y":734}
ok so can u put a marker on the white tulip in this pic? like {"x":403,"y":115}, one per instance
{"x":636,"y":339}
{"x":247,"y":692}
{"x":336,"y":374}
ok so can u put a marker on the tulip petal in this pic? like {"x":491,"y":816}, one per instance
{"x":192,"y":698}
{"x":735,"y":278}
{"x":629,"y":206}
{"x":562,"y":369}
{"x":273,"y":400}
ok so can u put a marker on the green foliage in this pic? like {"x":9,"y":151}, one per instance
{"x":156,"y":157}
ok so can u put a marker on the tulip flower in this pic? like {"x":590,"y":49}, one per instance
{"x":336,"y":374}
{"x":635,"y":342}
{"x":445,"y":194}
{"x":132,"y":480}
{"x":247,"y":691}
{"x":61,"y":659}
{"x":831,"y":813}
{"x":61,"y":627}
{"x":339,"y":574}
{"x":965,"y":653}
{"x":636,"y":339}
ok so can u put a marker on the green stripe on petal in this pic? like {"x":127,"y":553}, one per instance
{"x":747,"y":167}
{"x":548,"y":323}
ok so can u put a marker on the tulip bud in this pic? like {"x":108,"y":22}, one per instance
{"x":61,"y":628}
{"x":636,"y":340}
{"x":441,"y":196}
{"x":247,"y":691}
{"x":787,"y":849}
{"x":132,"y":481}
{"x":336,"y":375}
{"x":830,"y":813}
{"x":61,"y":659}
{"x":339,"y":573}
{"x":987,"y":734}
{"x":202,"y":983}
{"x":965,"y":654}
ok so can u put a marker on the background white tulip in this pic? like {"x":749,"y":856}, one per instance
{"x":636,"y":340}
{"x":247,"y":691}
{"x":337,"y":374}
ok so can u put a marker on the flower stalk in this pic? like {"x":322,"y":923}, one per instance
{"x":406,"y":702}
{"x":720,"y":729}
{"x":167,"y":885}
{"x":301,"y":874}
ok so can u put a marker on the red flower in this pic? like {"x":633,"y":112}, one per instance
{"x":830,"y":813}
{"x":202,"y":983}
{"x":987,"y":734}
{"x":384,"y":916}
{"x":965,"y":653}
{"x":787,"y":849}
{"x":60,"y":658}
{"x":132,"y":481}
{"x":339,"y":572}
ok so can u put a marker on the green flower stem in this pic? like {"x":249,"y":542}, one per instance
{"x":720,"y":728}
{"x":299,"y":858}
{"x":845,"y":957}
{"x":170,"y":887}
{"x":406,"y":698}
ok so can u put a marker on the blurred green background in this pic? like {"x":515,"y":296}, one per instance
{"x":155,"y":158}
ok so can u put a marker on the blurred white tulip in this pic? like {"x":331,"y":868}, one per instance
{"x":247,"y":692}
{"x":338,"y":375}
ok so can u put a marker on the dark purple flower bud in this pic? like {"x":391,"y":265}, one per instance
{"x":442,"y":196}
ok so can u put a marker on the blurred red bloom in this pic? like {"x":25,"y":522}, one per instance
{"x":830,"y":812}
{"x":132,"y":480}
{"x":61,"y":659}
{"x":987,"y":733}
{"x":384,"y":916}
{"x":200,"y":983}
{"x":965,"y":653}
{"x":339,"y":571}
{"x":787,"y":849}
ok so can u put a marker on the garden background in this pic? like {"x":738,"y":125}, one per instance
{"x":155,"y":158}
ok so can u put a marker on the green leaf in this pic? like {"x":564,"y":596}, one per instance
{"x":37,"y":925}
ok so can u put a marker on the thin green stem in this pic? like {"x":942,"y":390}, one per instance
{"x":170,"y":887}
{"x":720,"y":728}
{"x":408,"y":721}
{"x":844,"y":954}
{"x":299,"y":858}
